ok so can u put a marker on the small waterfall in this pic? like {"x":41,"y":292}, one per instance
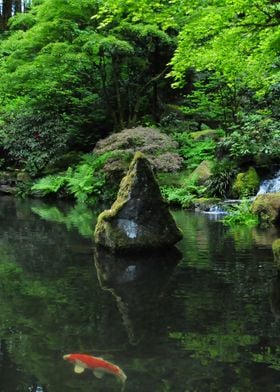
{"x":216,"y":209}
{"x":222,"y":208}
{"x":271,"y":185}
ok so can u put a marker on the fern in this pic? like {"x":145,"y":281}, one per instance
{"x":241,"y":215}
{"x":84,"y":181}
{"x":177,"y":196}
{"x":49,"y":184}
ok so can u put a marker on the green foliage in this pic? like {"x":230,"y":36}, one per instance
{"x":91,"y":66}
{"x":194,"y":151}
{"x":257,"y":137}
{"x":241,"y":214}
{"x":84,"y":182}
{"x":236,"y":39}
{"x":166,"y":15}
{"x":34,"y":139}
{"x":211,"y":101}
{"x":220,"y":182}
{"x":268,"y":356}
{"x":184,"y":195}
{"x":72,"y":72}
{"x":177,"y":196}
{"x":49,"y":184}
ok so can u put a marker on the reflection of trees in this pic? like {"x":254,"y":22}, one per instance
{"x":43,"y":319}
{"x":32,"y":242}
{"x":205,"y":325}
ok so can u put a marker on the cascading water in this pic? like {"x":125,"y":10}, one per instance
{"x":271,"y":185}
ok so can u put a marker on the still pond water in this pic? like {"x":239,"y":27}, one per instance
{"x":209,"y":321}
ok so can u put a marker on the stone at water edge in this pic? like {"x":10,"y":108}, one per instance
{"x":267,"y":208}
{"x":139,"y":219}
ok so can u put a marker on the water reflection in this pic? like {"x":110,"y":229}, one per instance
{"x":208,"y":323}
{"x":138,"y":283}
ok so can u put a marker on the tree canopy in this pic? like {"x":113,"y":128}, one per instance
{"x":89,"y":68}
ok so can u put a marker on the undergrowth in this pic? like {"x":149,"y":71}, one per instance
{"x":185,"y":195}
{"x":194,"y":151}
{"x":241,"y":214}
{"x":84,"y":182}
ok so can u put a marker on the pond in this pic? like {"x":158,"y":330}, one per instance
{"x":205,"y":320}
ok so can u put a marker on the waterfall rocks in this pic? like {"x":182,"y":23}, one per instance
{"x":246,"y":183}
{"x":139,"y":219}
{"x":267,"y":208}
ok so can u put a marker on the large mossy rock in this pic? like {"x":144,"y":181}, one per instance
{"x":246,"y":183}
{"x":139,"y":219}
{"x":267,"y":208}
{"x":202,"y":173}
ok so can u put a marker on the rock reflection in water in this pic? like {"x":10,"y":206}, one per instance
{"x":275,"y":297}
{"x":138,"y":283}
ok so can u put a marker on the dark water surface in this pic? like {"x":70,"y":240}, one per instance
{"x":209,"y":322}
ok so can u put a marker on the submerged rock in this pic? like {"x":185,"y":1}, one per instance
{"x":139,"y":219}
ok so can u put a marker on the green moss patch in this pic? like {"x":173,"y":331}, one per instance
{"x":246,"y":184}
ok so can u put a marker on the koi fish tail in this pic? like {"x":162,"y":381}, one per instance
{"x":123,"y":387}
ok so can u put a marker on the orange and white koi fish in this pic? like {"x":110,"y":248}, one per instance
{"x":98,"y":365}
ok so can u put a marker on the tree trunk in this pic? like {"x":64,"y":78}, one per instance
{"x":6,"y":13}
{"x":116,"y":61}
{"x":18,"y":6}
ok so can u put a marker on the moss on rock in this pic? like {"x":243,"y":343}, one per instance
{"x":139,"y":218}
{"x":206,"y":134}
{"x":267,"y":208}
{"x":202,"y":173}
{"x":246,"y":183}
{"x":205,"y":203}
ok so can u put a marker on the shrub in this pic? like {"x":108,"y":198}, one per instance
{"x":177,"y":196}
{"x":34,"y":139}
{"x":159,"y":148}
{"x":84,"y":182}
{"x":256,"y":137}
{"x":194,"y":151}
{"x":184,"y":195}
{"x":241,"y":214}
{"x":220,"y":182}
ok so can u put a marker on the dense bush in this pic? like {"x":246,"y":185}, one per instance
{"x":32,"y":140}
{"x":158,"y":147}
{"x":220,"y":182}
{"x":185,"y":195}
{"x":194,"y":151}
{"x":255,"y":138}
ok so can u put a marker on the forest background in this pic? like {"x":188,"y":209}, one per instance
{"x":203,"y":72}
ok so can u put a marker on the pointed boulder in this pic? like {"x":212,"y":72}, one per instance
{"x":139,"y":219}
